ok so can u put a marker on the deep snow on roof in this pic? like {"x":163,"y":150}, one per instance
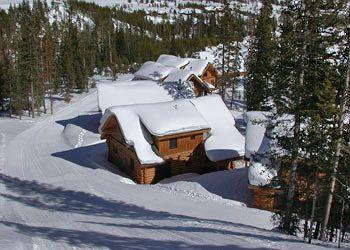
{"x":153,"y":71}
{"x":225,"y":141}
{"x":180,"y":74}
{"x":168,"y":118}
{"x":134,"y":133}
{"x":130,"y":92}
{"x":172,"y":61}
{"x":197,"y":65}
{"x":159,"y":119}
{"x":259,"y":147}
{"x":255,"y":139}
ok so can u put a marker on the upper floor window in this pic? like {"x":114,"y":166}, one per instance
{"x":193,"y":137}
{"x":173,"y":143}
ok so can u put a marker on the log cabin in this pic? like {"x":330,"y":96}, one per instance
{"x":168,"y":64}
{"x":205,"y":71}
{"x":179,"y":76}
{"x":149,"y":147}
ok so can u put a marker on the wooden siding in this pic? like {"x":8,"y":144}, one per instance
{"x":188,"y":157}
{"x":264,"y":198}
{"x":186,"y":144}
{"x":123,"y":157}
{"x":210,"y":75}
{"x":198,"y":87}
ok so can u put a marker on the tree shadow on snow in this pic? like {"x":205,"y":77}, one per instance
{"x":98,"y":239}
{"x":89,"y":122}
{"x":57,"y":199}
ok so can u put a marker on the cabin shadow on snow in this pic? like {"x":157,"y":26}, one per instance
{"x":232,"y":184}
{"x":58,"y":199}
{"x":94,"y":156}
{"x":89,"y":122}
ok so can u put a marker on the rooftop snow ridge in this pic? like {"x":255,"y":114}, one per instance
{"x":130,"y":92}
{"x":153,"y":71}
{"x":172,"y":61}
{"x":182,"y":75}
{"x":225,"y":141}
{"x":197,"y":65}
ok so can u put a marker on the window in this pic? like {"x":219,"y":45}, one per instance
{"x":193,"y":137}
{"x":132,"y":164}
{"x":173,"y":143}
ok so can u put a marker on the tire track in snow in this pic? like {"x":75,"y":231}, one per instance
{"x":27,"y":158}
{"x":2,"y":149}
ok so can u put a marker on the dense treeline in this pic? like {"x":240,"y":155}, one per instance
{"x":301,"y":69}
{"x":54,"y":49}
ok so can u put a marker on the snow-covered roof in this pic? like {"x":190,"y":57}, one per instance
{"x":255,"y":139}
{"x":259,"y":147}
{"x":172,"y":61}
{"x":130,"y":92}
{"x":181,"y":74}
{"x":197,"y":65}
{"x":134,"y":133}
{"x":169,"y":118}
{"x":225,"y":141}
{"x":153,"y":71}
{"x":137,"y":122}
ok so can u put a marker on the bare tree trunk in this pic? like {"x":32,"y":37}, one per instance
{"x":223,"y":71}
{"x":344,"y":100}
{"x":32,"y":99}
{"x":313,"y":208}
{"x":50,"y":94}
{"x":317,"y":230}
{"x":294,"y":164}
{"x":341,"y":223}
{"x":293,"y":174}
{"x":44,"y":104}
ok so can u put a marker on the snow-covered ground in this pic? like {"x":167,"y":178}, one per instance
{"x":57,"y":190}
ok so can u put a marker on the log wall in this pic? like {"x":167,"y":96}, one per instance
{"x":188,"y":157}
{"x":264,"y":198}
{"x":210,"y":75}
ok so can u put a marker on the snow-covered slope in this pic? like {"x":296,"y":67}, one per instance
{"x":58,"y":196}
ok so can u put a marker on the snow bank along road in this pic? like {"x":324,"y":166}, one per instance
{"x":55,"y":194}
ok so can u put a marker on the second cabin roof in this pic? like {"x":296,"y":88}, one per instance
{"x":153,"y":71}
{"x":181,"y":74}
{"x":172,"y":61}
{"x":197,"y":66}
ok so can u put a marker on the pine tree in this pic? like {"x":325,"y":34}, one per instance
{"x":340,"y":118}
{"x":302,"y":63}
{"x":231,"y":30}
{"x":260,"y":65}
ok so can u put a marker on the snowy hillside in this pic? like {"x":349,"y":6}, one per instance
{"x":59,"y":191}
